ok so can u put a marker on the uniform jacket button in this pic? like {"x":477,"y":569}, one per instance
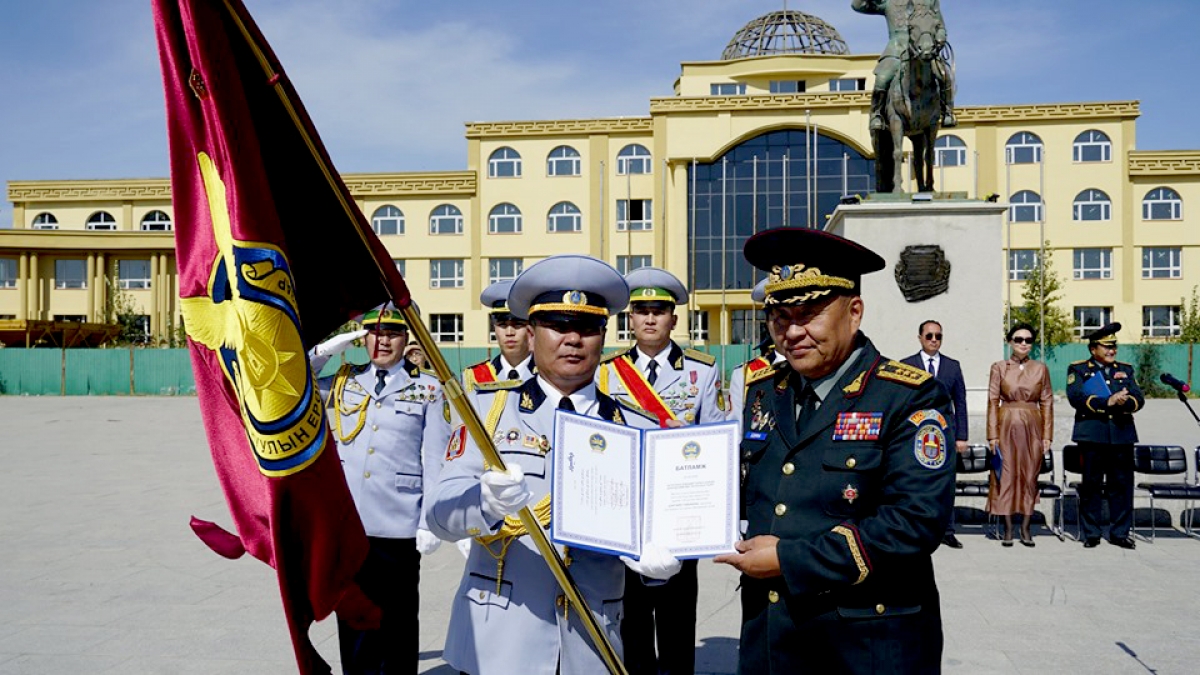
{"x":378,"y":404}
{"x":851,"y":463}
{"x":374,"y":427}
{"x":789,"y":469}
{"x":773,"y":596}
{"x":370,"y":451}
{"x":366,"y":474}
{"x":780,"y":509}
{"x":880,"y":609}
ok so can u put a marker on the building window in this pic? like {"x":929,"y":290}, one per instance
{"x":1023,"y":148}
{"x":1162,"y":204}
{"x":563,"y":161}
{"x":698,"y":326}
{"x":447,"y":273}
{"x":1088,"y":319}
{"x":789,"y":86}
{"x":504,"y":219}
{"x":70,"y":273}
{"x":45,"y":221}
{"x":629,"y":263}
{"x":949,"y":150}
{"x":624,"y":328}
{"x":1020,"y":263}
{"x":1092,"y":205}
{"x":400,"y":266}
{"x":1160,"y":321}
{"x":746,"y":326}
{"x":446,"y":327}
{"x":504,"y":269}
{"x":133,"y":274}
{"x":633,"y":159}
{"x":1162,"y":263}
{"x":101,"y":220}
{"x":157,"y":221}
{"x":141,"y":325}
{"x":504,"y":163}
{"x":388,"y":219}
{"x":446,"y":219}
{"x":1025,"y":207}
{"x":8,"y":272}
{"x":847,"y":84}
{"x":1093,"y":263}
{"x":70,"y":318}
{"x":1092,"y":146}
{"x":564,"y":217}
{"x":727,"y":89}
{"x":634,"y":214}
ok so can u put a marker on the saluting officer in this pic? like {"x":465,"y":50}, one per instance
{"x":767,"y":358}
{"x":509,"y":615}
{"x":513,"y":334}
{"x":1105,"y":395}
{"x":671,"y":383}
{"x":391,"y":423}
{"x":848,"y":481}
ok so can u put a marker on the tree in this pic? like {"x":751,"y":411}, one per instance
{"x":120,"y":308}
{"x":1189,"y":319}
{"x":1043,"y":291}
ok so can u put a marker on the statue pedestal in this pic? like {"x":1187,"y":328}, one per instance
{"x":971,"y":310}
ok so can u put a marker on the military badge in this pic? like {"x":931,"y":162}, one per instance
{"x":1071,"y":377}
{"x":597,"y":443}
{"x":689,"y":417}
{"x":691,"y":450}
{"x":693,"y":375}
{"x":927,"y":415}
{"x":929,"y":446}
{"x":530,"y":441}
{"x":850,"y":493}
{"x":857,"y":426}
{"x":446,"y":411}
{"x":457,"y":444}
{"x":512,"y":436}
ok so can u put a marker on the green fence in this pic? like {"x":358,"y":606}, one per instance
{"x":167,"y":372}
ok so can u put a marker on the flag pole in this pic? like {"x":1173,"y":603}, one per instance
{"x":450,"y":386}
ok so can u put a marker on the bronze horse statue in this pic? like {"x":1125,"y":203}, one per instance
{"x":913,"y":108}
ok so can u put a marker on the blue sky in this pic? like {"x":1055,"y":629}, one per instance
{"x":390,"y":83}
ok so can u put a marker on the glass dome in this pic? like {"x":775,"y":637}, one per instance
{"x":785,"y":32}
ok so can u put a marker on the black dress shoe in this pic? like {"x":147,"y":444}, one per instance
{"x":1124,"y":542}
{"x":1028,"y":542}
{"x":1091,"y":542}
{"x":951,"y":541}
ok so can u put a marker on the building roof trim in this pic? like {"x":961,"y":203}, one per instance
{"x":862,"y":99}
{"x":606,"y":125}
{"x":1164,"y":162}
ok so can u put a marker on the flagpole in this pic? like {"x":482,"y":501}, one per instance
{"x":450,"y":385}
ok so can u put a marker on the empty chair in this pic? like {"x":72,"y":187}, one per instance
{"x":1163,"y":460}
{"x":976,"y":460}
{"x":1072,"y":464}
{"x":1048,"y":489}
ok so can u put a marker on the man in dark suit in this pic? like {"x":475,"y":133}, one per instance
{"x":947,"y":371}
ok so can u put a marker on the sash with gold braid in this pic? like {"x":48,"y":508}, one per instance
{"x":635,"y":383}
{"x":483,"y":373}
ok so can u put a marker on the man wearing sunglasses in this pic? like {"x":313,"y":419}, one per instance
{"x":947,"y":371}
{"x":1105,"y":395}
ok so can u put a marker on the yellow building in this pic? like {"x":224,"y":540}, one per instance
{"x":774,"y":133}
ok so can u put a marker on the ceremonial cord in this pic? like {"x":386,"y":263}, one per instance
{"x":339,"y":388}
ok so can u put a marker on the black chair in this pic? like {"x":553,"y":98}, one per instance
{"x":1072,"y":464}
{"x":976,"y":460}
{"x":1163,"y":460}
{"x":1048,"y":489}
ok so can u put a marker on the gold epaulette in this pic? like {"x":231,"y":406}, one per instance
{"x":430,"y":372}
{"x":902,"y":373}
{"x":612,"y":357}
{"x":1122,"y":363}
{"x":696,"y":355}
{"x":760,"y":374}
{"x":1079,"y":362}
{"x":498,"y":385}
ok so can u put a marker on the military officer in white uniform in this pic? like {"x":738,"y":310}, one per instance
{"x":768,"y":356}
{"x":391,"y":424}
{"x":513,"y":335}
{"x":509,"y":614}
{"x":678,"y":386}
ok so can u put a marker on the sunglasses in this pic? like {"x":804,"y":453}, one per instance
{"x":1022,"y":341}
{"x":933,"y":336}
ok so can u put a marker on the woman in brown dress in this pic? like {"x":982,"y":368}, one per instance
{"x":1020,"y":424}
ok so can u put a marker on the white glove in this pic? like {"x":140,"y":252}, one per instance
{"x":427,"y":542}
{"x":503,"y":494}
{"x":338,"y":343}
{"x":464,"y":547}
{"x":656,"y":563}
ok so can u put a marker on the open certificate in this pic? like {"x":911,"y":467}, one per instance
{"x":615,"y":486}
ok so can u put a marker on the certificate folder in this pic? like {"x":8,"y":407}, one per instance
{"x":1096,"y":386}
{"x":614,"y":487}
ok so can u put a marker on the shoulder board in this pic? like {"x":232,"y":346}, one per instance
{"x":634,"y":408}
{"x":356,"y":368}
{"x":696,"y":355}
{"x":612,"y":357}
{"x":1079,"y":362}
{"x":429,"y":372}
{"x":1123,"y":364}
{"x":473,"y":366}
{"x":760,"y":374}
{"x":902,"y":373}
{"x":498,"y":385}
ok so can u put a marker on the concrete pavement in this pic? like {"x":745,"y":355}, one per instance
{"x":99,"y":572}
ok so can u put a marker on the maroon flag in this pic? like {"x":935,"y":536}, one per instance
{"x":273,"y":255}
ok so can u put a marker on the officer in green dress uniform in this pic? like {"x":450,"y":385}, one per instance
{"x":848,"y":478}
{"x":1105,"y":395}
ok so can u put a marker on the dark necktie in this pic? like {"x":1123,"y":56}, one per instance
{"x":808,"y":406}
{"x":929,"y":367}
{"x":565,"y":404}
{"x":379,"y":377}
{"x":513,"y":374}
{"x":653,"y":376}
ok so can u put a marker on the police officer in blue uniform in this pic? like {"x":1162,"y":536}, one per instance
{"x":1105,"y":395}
{"x":391,"y":424}
{"x":513,"y":335}
{"x":657,"y":371}
{"x":509,"y":614}
{"x":848,"y":478}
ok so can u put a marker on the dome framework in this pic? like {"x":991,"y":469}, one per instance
{"x":786,"y":31}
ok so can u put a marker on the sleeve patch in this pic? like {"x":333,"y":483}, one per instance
{"x":457,"y":444}
{"x":929,"y":446}
{"x":927,"y":415}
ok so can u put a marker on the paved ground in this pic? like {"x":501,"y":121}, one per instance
{"x":100,"y":573}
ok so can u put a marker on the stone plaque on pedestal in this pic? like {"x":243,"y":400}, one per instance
{"x":945,"y":262}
